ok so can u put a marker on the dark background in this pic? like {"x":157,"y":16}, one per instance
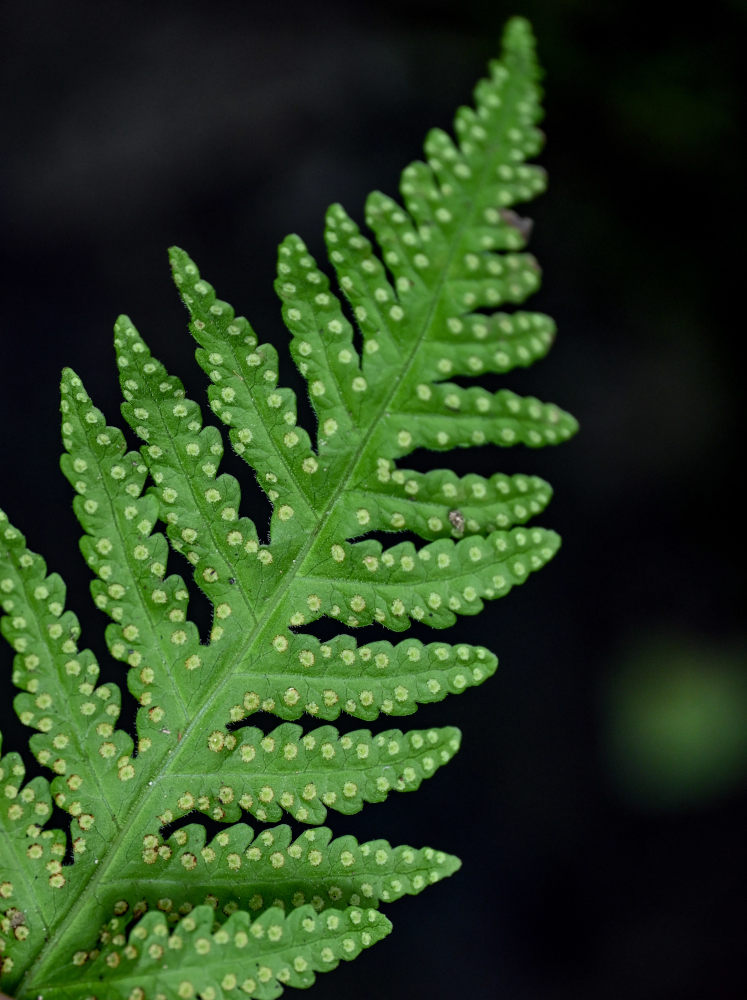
{"x":598,"y":801}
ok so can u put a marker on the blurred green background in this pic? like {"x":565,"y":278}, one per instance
{"x":598,"y":801}
{"x":673,"y":722}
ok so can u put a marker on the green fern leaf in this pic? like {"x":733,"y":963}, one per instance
{"x":132,"y":899}
{"x":243,"y":958}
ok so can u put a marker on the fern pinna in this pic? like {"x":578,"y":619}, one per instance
{"x":116,"y":906}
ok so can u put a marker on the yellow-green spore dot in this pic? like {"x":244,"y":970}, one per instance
{"x":309,"y":791}
{"x":216,"y":741}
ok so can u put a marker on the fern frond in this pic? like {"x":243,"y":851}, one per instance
{"x":244,"y":957}
{"x":128,"y":557}
{"x":60,"y":698}
{"x":323,"y":679}
{"x":30,"y":864}
{"x":131,"y":902}
{"x":438,"y":504}
{"x":305,"y":775}
{"x":238,"y":869}
{"x":183,"y":461}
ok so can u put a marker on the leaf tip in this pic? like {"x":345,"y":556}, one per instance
{"x":182,"y":265}
{"x":68,"y":377}
{"x":518,"y":33}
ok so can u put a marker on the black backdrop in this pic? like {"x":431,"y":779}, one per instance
{"x":597,"y":801}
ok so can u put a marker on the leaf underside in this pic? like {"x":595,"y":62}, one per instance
{"x":120,"y":902}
